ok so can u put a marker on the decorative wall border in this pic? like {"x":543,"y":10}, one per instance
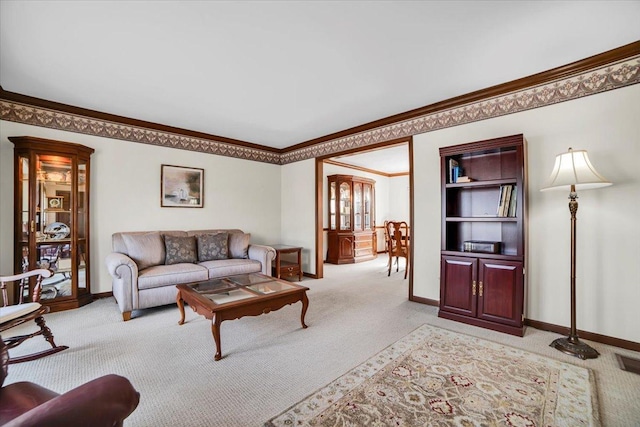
{"x":582,"y":83}
{"x":605,"y":78}
{"x":44,"y":117}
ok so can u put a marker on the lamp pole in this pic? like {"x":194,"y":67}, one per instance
{"x":572,"y":345}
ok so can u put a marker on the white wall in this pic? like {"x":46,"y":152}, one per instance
{"x":608,"y":231}
{"x":298,"y":215}
{"x":125,"y":194}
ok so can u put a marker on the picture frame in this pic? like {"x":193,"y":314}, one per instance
{"x":181,"y":187}
{"x":55,"y":203}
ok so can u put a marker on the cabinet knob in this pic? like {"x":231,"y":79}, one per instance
{"x":473,"y":288}
{"x":480,"y":291}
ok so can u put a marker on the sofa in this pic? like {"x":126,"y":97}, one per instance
{"x":146,"y":266}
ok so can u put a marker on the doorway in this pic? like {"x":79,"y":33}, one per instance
{"x":390,"y":164}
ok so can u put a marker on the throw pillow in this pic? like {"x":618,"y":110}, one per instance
{"x":180,"y":249}
{"x":239,"y":245}
{"x":212,"y":246}
{"x":146,"y":249}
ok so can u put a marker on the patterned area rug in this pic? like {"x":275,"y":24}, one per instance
{"x":436,"y":377}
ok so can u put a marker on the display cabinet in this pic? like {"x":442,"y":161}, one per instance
{"x":351,"y":235}
{"x":484,"y":192}
{"x":51,"y":203}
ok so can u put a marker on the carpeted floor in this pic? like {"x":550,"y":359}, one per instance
{"x":270,"y":362}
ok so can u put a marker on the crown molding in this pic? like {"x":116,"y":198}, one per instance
{"x":610,"y":70}
{"x":30,"y":110}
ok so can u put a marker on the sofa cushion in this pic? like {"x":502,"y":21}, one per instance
{"x":174,"y":274}
{"x":239,"y":245}
{"x":180,"y":249}
{"x":231,"y":267}
{"x":213,"y":246}
{"x":145,"y":249}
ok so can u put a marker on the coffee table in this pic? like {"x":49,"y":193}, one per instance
{"x":234,"y":297}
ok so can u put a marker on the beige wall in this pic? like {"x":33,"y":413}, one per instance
{"x":125,"y":197}
{"x":125,"y":194}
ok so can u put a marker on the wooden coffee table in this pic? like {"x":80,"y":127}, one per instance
{"x":234,"y":297}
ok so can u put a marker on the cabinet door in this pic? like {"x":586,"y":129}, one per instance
{"x":458,"y":285}
{"x":501,"y":292}
{"x":346,"y":247}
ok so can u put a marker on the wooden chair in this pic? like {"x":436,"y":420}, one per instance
{"x":22,"y":312}
{"x":398,"y":246}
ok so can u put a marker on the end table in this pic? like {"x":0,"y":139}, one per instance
{"x":284,"y":268}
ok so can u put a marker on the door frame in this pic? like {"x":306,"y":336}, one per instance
{"x":319,"y":169}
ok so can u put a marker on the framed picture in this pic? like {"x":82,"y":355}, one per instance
{"x":55,"y":203}
{"x":181,"y":187}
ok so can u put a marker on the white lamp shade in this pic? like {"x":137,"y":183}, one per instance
{"x":574,"y":168}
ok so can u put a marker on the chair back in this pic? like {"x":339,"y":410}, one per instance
{"x":398,"y":232}
{"x":22,"y":281}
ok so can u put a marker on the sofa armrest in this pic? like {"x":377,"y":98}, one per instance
{"x":264,"y":254}
{"x":105,"y":401}
{"x":124,"y":283}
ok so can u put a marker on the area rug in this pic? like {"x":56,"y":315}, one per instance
{"x":436,"y":377}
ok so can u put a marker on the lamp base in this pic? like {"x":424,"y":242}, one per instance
{"x":574,"y":347}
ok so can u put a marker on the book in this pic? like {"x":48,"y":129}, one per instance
{"x":452,"y":164}
{"x":507,"y":200}
{"x":514,"y":200}
{"x":501,"y":200}
{"x":464,"y":178}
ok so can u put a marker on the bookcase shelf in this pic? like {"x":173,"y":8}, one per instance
{"x":479,"y":288}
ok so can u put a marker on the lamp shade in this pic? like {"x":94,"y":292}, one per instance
{"x":574,"y":168}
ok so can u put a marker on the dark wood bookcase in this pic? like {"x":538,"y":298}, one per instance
{"x":482,"y":277}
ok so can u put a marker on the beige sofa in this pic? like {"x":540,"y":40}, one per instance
{"x":146,"y":266}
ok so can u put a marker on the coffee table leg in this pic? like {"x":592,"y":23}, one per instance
{"x":305,"y":305}
{"x":215,"y":330}
{"x":180,"y":303}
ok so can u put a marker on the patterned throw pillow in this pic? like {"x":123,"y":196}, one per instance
{"x":180,"y":249}
{"x":239,"y":245}
{"x":212,"y":246}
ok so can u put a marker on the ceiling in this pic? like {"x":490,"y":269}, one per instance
{"x":278,"y":73}
{"x":387,"y":161}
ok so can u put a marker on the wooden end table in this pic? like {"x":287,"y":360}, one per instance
{"x":282,"y":268}
{"x":234,"y":297}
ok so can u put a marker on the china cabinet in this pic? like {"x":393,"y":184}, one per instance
{"x":51,"y":203}
{"x":482,"y":274}
{"x":351,"y":235}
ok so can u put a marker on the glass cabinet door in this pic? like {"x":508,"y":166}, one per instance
{"x":368,"y":225}
{"x":54,"y":202}
{"x":332,"y":206}
{"x":357,"y":206}
{"x":82,"y":227}
{"x":345,"y":206}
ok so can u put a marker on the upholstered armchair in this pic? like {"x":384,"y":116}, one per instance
{"x":105,"y":401}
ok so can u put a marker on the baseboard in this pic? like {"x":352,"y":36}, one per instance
{"x":103,"y":295}
{"x":426,"y":301}
{"x":591,"y":336}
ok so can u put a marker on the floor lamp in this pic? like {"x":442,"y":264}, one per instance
{"x":573,"y":171}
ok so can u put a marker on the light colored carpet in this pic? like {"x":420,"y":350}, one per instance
{"x":438,"y":377}
{"x":270,"y":362}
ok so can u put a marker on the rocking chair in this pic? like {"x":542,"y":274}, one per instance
{"x":21,"y":312}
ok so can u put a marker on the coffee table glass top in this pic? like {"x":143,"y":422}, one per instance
{"x":241,"y":287}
